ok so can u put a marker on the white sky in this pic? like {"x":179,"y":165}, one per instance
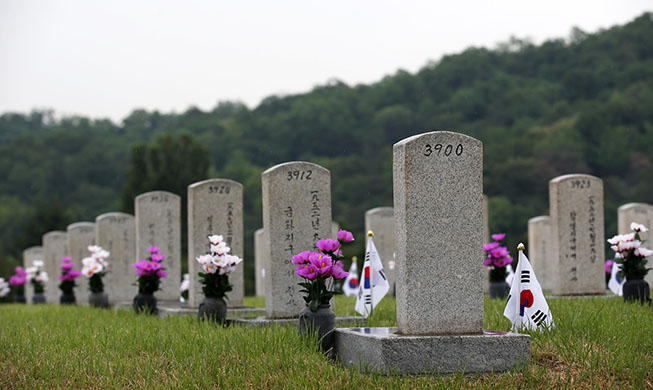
{"x":106,"y":58}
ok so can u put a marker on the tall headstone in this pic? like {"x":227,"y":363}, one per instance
{"x":539,"y":250}
{"x":158,"y":223}
{"x":486,"y":239}
{"x":577,"y":234}
{"x":438,"y":195}
{"x":335,"y":228}
{"x":55,"y":246}
{"x":116,"y":232}
{"x":80,"y":236}
{"x":29,"y":255}
{"x":438,"y":223}
{"x":381,"y":221}
{"x":640,"y":213}
{"x":260,"y":262}
{"x":296,"y":214}
{"x":215,"y":206}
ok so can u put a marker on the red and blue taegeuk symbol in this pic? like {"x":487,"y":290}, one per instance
{"x":525,"y":300}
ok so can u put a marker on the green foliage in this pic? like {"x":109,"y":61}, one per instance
{"x":580,"y":105}
{"x":215,"y":285}
{"x":148,"y":284}
{"x":316,"y":293}
{"x":95,"y":283}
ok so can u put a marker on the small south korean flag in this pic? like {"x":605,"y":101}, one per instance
{"x":373,"y":282}
{"x":526,"y":307}
{"x":350,"y":285}
{"x":616,"y":283}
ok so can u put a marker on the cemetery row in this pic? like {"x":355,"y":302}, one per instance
{"x":430,"y":244}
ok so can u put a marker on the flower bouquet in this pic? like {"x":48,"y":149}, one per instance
{"x":320,"y":269}
{"x":94,"y":269}
{"x":631,"y":255}
{"x":38,"y":278}
{"x":150,"y":271}
{"x":18,"y":280}
{"x":497,"y":258}
{"x":4,"y":289}
{"x":216,"y":267}
{"x":67,"y":278}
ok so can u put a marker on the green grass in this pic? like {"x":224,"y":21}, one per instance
{"x":597,"y":343}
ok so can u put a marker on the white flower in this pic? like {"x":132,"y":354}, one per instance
{"x":204,"y":259}
{"x":215,"y":239}
{"x":42,"y":277}
{"x":220,"y":249}
{"x":628,"y":237}
{"x":102,"y":254}
{"x":185,"y":284}
{"x":219,"y":261}
{"x":37,"y":263}
{"x":226,"y":270}
{"x":87,"y":271}
{"x":233,"y":260}
{"x":94,"y":248}
{"x":89,"y":261}
{"x":4,"y":288}
{"x":618,"y":256}
{"x":209,"y":268}
{"x":643,"y":252}
{"x":638,"y":227}
{"x":629,"y":245}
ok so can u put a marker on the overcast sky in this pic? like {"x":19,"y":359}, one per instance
{"x":106,"y":58}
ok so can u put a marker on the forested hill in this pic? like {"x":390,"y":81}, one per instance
{"x":581,"y":104}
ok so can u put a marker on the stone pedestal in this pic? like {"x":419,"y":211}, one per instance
{"x":438,"y":210}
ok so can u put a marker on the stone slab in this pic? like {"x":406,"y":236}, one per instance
{"x":240,"y":312}
{"x":539,"y":251}
{"x":385,"y":351}
{"x":215,"y":206}
{"x":29,"y":255}
{"x":486,"y":239}
{"x":55,"y":246}
{"x":381,"y":221}
{"x":577,"y":234}
{"x":296,"y":214}
{"x":438,"y":210}
{"x":260,"y":262}
{"x":116,"y":232}
{"x":158,"y":222}
{"x":263,"y":321}
{"x":80,"y":236}
{"x":640,"y":213}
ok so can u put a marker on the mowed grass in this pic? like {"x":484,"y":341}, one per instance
{"x":597,"y":343}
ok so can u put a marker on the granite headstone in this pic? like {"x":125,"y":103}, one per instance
{"x":539,"y":251}
{"x":116,"y":232}
{"x":260,"y":262}
{"x":29,"y":255}
{"x":55,"y":246}
{"x":80,"y":236}
{"x":640,"y":213}
{"x":381,"y":221}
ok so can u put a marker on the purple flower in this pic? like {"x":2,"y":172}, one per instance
{"x":345,"y":236}
{"x":321,"y":263}
{"x":306,"y":271}
{"x":17,"y":280}
{"x":66,"y":259}
{"x":487,"y":261}
{"x":338,"y":271}
{"x":608,"y":266}
{"x":328,"y":245}
{"x":67,"y":266}
{"x":161,"y":273}
{"x":153,"y":249}
{"x":157,"y":257}
{"x":498,"y":237}
{"x":301,"y":258}
{"x":489,"y":246}
{"x":73,"y":273}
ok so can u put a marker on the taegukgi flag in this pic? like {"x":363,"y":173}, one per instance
{"x":373,"y":282}
{"x":350,"y":285}
{"x":616,"y":283}
{"x":526,"y":307}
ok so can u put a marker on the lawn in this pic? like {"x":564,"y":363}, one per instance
{"x":597,"y":343}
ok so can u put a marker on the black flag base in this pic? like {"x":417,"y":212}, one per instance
{"x":384,"y":351}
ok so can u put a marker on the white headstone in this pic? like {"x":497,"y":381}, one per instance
{"x":158,"y":223}
{"x":539,"y":251}
{"x":80,"y":236}
{"x":260,"y":261}
{"x":215,"y":206}
{"x":55,"y":246}
{"x":296,"y":214}
{"x":116,"y":232}
{"x":29,"y":255}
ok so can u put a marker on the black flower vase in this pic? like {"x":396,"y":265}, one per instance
{"x":213,"y":309}
{"x":321,"y":322}
{"x":38,"y":298}
{"x":20,"y":299}
{"x":499,"y":289}
{"x":99,"y":299}
{"x":67,"y":299}
{"x":145,"y":303}
{"x":636,"y":290}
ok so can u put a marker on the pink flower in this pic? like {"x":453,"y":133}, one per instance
{"x":321,"y":263}
{"x":487,"y":261}
{"x":489,"y":246}
{"x":17,"y":280}
{"x":67,"y":266}
{"x":498,"y":237}
{"x":338,"y":271}
{"x":345,"y":236}
{"x":306,"y":271}
{"x":608,"y":266}
{"x":328,"y":245}
{"x":157,"y":257}
{"x":161,"y":273}
{"x":153,"y":249}
{"x":301,"y":258}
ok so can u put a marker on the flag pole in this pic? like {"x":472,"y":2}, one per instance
{"x":370,"y":234}
{"x":520,"y":249}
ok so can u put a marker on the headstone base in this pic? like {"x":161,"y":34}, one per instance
{"x":263,"y":321}
{"x":384,"y":351}
{"x":231,"y":312}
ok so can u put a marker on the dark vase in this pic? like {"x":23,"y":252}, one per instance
{"x":145,"y":303}
{"x":99,"y":299}
{"x":213,"y":309}
{"x":499,"y":289}
{"x":20,"y":299}
{"x":322,"y":321}
{"x":67,"y":299}
{"x":636,"y":289}
{"x":38,"y":298}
